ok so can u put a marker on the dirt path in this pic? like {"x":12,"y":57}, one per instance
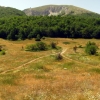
{"x":17,"y":68}
{"x":62,"y":53}
{"x":75,"y":60}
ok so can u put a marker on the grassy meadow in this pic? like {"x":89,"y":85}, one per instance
{"x":28,"y":75}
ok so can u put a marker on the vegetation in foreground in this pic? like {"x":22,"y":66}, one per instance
{"x":76,"y":76}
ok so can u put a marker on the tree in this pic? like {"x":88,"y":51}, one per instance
{"x":91,"y":48}
{"x":38,"y":38}
{"x":53,"y":45}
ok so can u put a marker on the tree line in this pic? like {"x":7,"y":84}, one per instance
{"x":27,"y":27}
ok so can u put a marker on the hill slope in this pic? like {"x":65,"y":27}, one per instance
{"x":55,"y":10}
{"x":8,"y":11}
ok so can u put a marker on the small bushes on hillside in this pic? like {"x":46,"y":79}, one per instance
{"x":59,"y":56}
{"x":91,"y":48}
{"x":42,"y":46}
{"x":53,"y":45}
{"x":75,"y":49}
{"x":39,"y":46}
{"x":2,"y":52}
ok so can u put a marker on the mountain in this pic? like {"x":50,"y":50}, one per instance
{"x":8,"y":11}
{"x":56,"y":10}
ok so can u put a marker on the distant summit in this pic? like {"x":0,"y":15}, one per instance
{"x":56,"y":10}
{"x":47,"y":10}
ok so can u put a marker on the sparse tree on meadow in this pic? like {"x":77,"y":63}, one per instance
{"x":91,"y":48}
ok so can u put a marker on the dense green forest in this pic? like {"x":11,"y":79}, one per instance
{"x":72,"y":26}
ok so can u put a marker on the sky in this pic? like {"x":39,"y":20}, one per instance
{"x":92,"y":5}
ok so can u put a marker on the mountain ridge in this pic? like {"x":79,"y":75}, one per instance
{"x":55,"y":10}
{"x":46,"y":10}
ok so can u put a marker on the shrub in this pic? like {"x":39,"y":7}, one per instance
{"x":2,"y":52}
{"x":75,"y":48}
{"x":0,"y":48}
{"x":59,"y":56}
{"x":30,"y":47}
{"x":38,"y":38}
{"x":91,"y":48}
{"x":39,"y":46}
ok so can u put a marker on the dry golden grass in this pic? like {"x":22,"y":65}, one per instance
{"x":47,"y":78}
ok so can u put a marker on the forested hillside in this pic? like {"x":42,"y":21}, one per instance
{"x":8,"y":12}
{"x":15,"y":28}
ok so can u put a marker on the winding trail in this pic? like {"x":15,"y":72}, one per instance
{"x":17,"y":68}
{"x":79,"y":62}
{"x":23,"y":65}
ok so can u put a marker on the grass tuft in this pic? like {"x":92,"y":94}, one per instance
{"x":8,"y":79}
{"x":66,"y":42}
{"x":96,"y":70}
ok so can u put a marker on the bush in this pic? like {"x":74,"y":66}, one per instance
{"x":39,"y":46}
{"x":59,"y":56}
{"x":75,"y":48}
{"x":91,"y":48}
{"x":2,"y":52}
{"x":29,"y":47}
{"x":53,"y":45}
{"x":38,"y":38}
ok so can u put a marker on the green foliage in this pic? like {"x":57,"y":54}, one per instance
{"x":9,"y":12}
{"x":30,"y":47}
{"x":91,"y":48}
{"x":96,"y":70}
{"x":38,"y":38}
{"x":23,"y":27}
{"x":8,"y":79}
{"x":68,"y":65}
{"x":39,"y":46}
{"x":2,"y":52}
